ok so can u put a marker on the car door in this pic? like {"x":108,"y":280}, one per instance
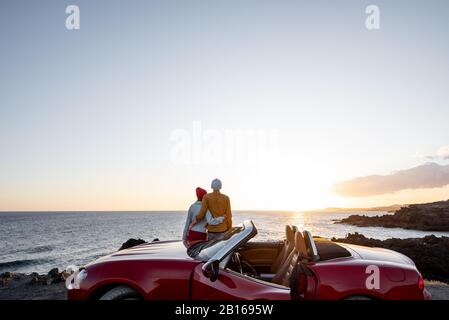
{"x":229,"y":284}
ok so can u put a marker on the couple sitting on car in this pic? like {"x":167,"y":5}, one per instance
{"x":209,"y":217}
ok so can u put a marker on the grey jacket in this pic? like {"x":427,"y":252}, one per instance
{"x":201,"y":225}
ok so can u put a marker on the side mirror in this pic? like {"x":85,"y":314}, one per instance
{"x":210,"y":269}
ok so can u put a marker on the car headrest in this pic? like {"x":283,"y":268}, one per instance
{"x":300,"y":243}
{"x":289,"y":233}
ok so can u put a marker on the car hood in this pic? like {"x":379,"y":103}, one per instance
{"x":378,"y":254}
{"x":157,"y":250}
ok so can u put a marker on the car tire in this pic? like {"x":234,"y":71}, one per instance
{"x":121,"y":293}
{"x":358,"y":298}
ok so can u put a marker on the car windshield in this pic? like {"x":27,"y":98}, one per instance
{"x":203,"y":251}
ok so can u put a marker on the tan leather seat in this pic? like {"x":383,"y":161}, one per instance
{"x":282,"y":276}
{"x":287,"y":248}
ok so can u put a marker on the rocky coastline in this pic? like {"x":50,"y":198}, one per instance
{"x":427,"y":217}
{"x":34,"y":286}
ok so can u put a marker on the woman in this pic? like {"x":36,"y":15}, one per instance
{"x":198,"y":231}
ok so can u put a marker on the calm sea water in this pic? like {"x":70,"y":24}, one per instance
{"x":37,"y":242}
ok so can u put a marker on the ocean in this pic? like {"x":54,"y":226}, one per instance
{"x":40,"y":241}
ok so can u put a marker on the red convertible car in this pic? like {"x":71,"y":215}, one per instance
{"x":232,"y":267}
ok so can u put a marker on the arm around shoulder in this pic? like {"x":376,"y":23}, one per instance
{"x":228,"y":215}
{"x":203,"y":209}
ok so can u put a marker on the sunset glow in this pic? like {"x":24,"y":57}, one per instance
{"x":168,"y":99}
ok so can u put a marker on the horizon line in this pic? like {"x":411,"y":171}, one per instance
{"x":328,"y":209}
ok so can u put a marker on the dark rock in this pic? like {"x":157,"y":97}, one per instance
{"x":37,"y":279}
{"x":430,"y":253}
{"x":33,"y":286}
{"x":54,"y":276}
{"x":429,"y":217}
{"x":131,"y":243}
{"x":5,"y":277}
{"x":18,"y":276}
{"x":53,"y":273}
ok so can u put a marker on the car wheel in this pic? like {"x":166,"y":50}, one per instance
{"x":358,"y":298}
{"x":121,"y":293}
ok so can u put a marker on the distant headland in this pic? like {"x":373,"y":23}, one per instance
{"x":432,"y":216}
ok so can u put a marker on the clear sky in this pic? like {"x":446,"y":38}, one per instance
{"x":136,"y":108}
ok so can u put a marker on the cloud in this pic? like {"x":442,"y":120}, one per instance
{"x":429,"y":175}
{"x":441,"y":154}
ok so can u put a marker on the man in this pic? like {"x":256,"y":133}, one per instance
{"x":219,"y":205}
{"x":199,"y":231}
